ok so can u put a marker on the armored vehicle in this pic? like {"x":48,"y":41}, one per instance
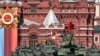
{"x":67,"y":48}
{"x":68,"y":45}
{"x":94,"y":52}
{"x":49,"y":50}
{"x":37,"y":51}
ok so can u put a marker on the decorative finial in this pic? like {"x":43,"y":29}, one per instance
{"x":50,"y":3}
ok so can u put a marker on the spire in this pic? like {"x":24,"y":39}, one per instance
{"x":50,"y":19}
{"x":50,"y":3}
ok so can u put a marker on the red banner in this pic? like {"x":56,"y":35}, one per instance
{"x":8,"y":21}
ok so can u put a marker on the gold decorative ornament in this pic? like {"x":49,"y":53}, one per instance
{"x":8,"y":17}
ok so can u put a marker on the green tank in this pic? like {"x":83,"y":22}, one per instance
{"x":67,"y":48}
{"x":81,"y":52}
{"x":94,"y":52}
{"x":49,"y":49}
{"x":68,"y":45}
{"x":14,"y":53}
{"x":37,"y":51}
{"x":23,"y":51}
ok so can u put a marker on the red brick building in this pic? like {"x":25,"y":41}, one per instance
{"x":97,"y":24}
{"x":37,"y":13}
{"x":42,"y":17}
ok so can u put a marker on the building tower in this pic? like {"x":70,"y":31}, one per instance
{"x":97,"y":24}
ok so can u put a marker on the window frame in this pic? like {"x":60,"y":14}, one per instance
{"x":33,"y":8}
{"x":96,"y":36}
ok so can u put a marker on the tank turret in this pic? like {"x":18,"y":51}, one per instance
{"x":68,"y":44}
{"x":68,"y":40}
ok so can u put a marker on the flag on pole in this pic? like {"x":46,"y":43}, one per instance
{"x":70,"y":27}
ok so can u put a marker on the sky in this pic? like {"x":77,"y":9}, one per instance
{"x":1,"y":41}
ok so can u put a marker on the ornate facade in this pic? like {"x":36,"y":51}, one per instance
{"x":97,"y":24}
{"x":35,"y":12}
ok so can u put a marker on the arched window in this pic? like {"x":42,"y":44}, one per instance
{"x":96,"y":39}
{"x":32,"y":41}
